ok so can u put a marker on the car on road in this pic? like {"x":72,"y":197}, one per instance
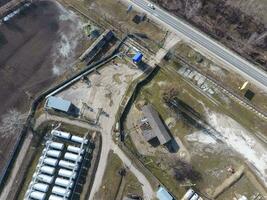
{"x":150,"y":5}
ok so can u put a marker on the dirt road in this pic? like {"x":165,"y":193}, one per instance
{"x":47,"y":117}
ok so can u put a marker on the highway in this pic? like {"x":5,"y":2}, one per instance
{"x":206,"y":42}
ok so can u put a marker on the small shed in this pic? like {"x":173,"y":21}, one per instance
{"x":58,"y":103}
{"x":163,"y":194}
{"x":137,"y":57}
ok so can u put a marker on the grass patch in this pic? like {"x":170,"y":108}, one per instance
{"x":116,"y":78}
{"x":112,"y":180}
{"x":230,"y":79}
{"x":31,"y":170}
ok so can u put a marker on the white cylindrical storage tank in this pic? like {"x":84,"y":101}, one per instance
{"x":55,"y":145}
{"x":61,"y":134}
{"x":72,"y":157}
{"x":47,"y":170}
{"x":35,"y":174}
{"x":45,"y":178}
{"x":41,"y":159}
{"x":53,"y":153}
{"x":188,"y":194}
{"x":194,"y":197}
{"x":40,"y":187}
{"x":51,"y":161}
{"x":60,"y":191}
{"x":67,"y":173}
{"x":37,"y":195}
{"x":78,"y":139}
{"x":68,"y":165}
{"x":54,"y":197}
{"x":74,"y":149}
{"x":64,"y":182}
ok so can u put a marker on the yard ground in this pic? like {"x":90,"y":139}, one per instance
{"x":113,"y":186}
{"x":209,"y":160}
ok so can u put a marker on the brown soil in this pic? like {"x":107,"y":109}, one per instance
{"x":26,"y":56}
{"x":3,"y":2}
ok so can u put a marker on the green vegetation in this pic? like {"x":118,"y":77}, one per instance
{"x":229,"y":79}
{"x":112,"y":180}
{"x":31,"y":170}
{"x":167,"y":79}
{"x":113,"y":14}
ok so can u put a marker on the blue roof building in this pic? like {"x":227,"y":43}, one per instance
{"x":58,"y":103}
{"x":137,"y":57}
{"x":163,"y":194}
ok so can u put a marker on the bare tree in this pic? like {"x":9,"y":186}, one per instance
{"x":192,"y":8}
{"x":12,"y":123}
{"x":169,"y":92}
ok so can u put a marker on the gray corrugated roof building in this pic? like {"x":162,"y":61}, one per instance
{"x":154,"y":125}
{"x":58,"y":103}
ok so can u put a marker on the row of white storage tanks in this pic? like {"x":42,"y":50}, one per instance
{"x":49,"y":160}
{"x":47,"y":172}
{"x":191,"y":195}
{"x":68,"y":136}
{"x":40,"y":189}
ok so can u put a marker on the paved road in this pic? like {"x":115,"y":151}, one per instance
{"x":205,"y":42}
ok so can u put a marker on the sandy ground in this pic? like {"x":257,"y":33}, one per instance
{"x":106,"y":93}
{"x":237,"y":139}
{"x":35,"y":47}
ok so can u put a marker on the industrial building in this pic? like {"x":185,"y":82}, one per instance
{"x":163,"y":194}
{"x":191,"y":195}
{"x":59,"y":104}
{"x":58,"y":170}
{"x":152,"y":126}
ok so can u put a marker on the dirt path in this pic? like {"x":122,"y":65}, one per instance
{"x":146,"y":186}
{"x":108,"y":123}
{"x":12,"y":178}
{"x":47,"y":117}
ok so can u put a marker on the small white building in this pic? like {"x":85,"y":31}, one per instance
{"x":68,"y":165}
{"x":51,"y":161}
{"x":45,"y":178}
{"x":52,"y":153}
{"x":64,"y":182}
{"x":37,"y":195}
{"x":47,"y":170}
{"x":73,"y":157}
{"x":54,"y":197}
{"x":67,"y":173}
{"x":78,"y":139}
{"x":40,"y":187}
{"x":60,"y":191}
{"x":55,"y":145}
{"x":61,"y":134}
{"x":74,"y":149}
